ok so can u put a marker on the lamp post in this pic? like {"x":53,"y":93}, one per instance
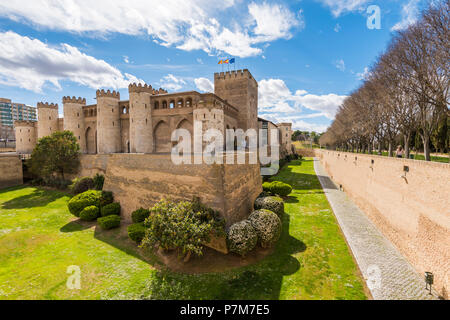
{"x":429,"y":280}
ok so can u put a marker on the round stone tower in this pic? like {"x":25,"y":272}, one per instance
{"x":74,"y":119}
{"x":108,"y":122}
{"x":26,"y":136}
{"x":141,"y":127}
{"x":47,"y":119}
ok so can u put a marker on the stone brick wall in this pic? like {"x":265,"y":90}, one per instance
{"x":10,"y":171}
{"x":412,"y":210}
{"x":140,"y":180}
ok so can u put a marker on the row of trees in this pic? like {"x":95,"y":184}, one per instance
{"x":405,"y":94}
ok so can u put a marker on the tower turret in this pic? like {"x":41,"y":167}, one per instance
{"x":74,"y":119}
{"x":26,"y":136}
{"x":141,"y":127}
{"x":239,"y":89}
{"x":47,"y":119}
{"x":108,"y":122}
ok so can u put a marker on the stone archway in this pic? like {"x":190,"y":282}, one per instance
{"x":161,"y":138}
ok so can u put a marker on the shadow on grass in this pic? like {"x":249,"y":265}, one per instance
{"x":76,"y":225}
{"x":37,"y":198}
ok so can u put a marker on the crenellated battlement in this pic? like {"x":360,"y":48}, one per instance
{"x":232,"y":74}
{"x":47,"y":105}
{"x":78,"y":100}
{"x":25,"y":123}
{"x":108,"y":94}
{"x":138,"y":88}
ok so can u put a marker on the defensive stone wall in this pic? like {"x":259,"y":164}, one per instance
{"x":10,"y":171}
{"x":408,"y":200}
{"x":140,"y":180}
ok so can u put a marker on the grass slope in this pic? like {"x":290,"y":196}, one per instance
{"x":39,"y":240}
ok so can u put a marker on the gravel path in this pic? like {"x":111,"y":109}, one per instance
{"x":387,"y":273}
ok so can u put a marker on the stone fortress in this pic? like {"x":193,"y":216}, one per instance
{"x":144,"y":123}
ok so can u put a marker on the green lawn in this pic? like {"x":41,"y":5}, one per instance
{"x":39,"y":239}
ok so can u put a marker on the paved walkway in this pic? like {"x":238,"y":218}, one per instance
{"x":388,"y":274}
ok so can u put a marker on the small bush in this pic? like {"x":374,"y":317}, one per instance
{"x":82,"y":185}
{"x":99,"y":180}
{"x":274,"y":204}
{"x":281,"y":188}
{"x":106,"y":198}
{"x":264,"y":194}
{"x":140,"y":215}
{"x":136,"y":232}
{"x":267,"y":226}
{"x":183,"y":225}
{"x":267,"y":187}
{"x":111,"y":209}
{"x":83,"y":200}
{"x":277,"y":187}
{"x":242,"y":238}
{"x":109,"y":222}
{"x":89,"y":213}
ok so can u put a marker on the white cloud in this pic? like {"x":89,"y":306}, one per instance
{"x":30,"y":64}
{"x":410,"y":12}
{"x":204,"y":85}
{"x":187,"y":25}
{"x":170,"y":82}
{"x":126,"y":59}
{"x":337,"y":28}
{"x":274,"y":21}
{"x":340,"y":64}
{"x":275,"y":97}
{"x":339,"y":7}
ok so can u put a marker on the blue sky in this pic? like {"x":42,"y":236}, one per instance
{"x":307,"y":55}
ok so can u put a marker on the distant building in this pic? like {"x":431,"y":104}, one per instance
{"x":10,"y":112}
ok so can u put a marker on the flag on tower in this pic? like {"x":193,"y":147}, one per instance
{"x":232,"y":61}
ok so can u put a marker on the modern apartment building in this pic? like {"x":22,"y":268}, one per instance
{"x":10,"y":112}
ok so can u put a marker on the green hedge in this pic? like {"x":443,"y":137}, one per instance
{"x":140,"y":215}
{"x":111,"y":209}
{"x":136,"y":232}
{"x":83,"y":200}
{"x":106,"y":198}
{"x":89,"y":213}
{"x":109,"y":222}
{"x":99,"y":180}
{"x":278,"y":188}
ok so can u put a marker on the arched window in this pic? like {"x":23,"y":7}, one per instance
{"x":180,"y":103}
{"x":156,"y":105}
{"x":124,"y":110}
{"x":164,"y":104}
{"x":172,"y":104}
{"x":188,"y":102}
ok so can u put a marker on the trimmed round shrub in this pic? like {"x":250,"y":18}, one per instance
{"x":89,"y":213}
{"x":267,"y":187}
{"x":280,"y":188}
{"x":264,"y":194}
{"x":111,"y":209}
{"x":140,"y":215}
{"x":109,"y":222}
{"x":136,"y":232}
{"x":274,"y":204}
{"x":83,"y":200}
{"x":267,"y":226}
{"x":82,"y":185}
{"x":242,"y":238}
{"x":106,"y":198}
